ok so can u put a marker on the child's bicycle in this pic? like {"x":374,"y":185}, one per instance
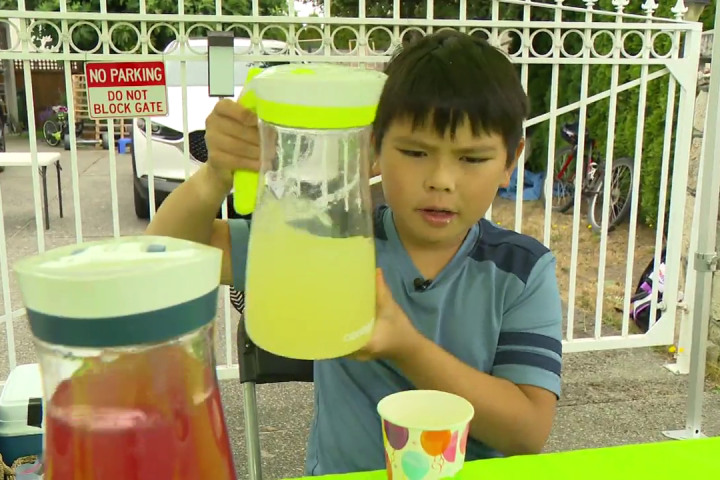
{"x":592,"y":181}
{"x":54,"y":131}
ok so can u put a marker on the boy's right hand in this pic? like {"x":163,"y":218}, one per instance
{"x":233,"y":140}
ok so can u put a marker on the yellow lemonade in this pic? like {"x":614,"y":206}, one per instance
{"x":307,"y":297}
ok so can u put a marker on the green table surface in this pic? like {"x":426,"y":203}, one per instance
{"x":688,"y":460}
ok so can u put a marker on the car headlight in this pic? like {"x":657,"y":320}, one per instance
{"x":160,"y":131}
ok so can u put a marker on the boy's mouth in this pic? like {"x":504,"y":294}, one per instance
{"x":436,"y":216}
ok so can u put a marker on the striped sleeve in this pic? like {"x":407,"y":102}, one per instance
{"x":529,"y":350}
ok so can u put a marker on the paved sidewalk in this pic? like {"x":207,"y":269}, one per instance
{"x":610,"y":398}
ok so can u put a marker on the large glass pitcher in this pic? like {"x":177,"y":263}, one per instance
{"x":123,"y":332}
{"x":311,"y":261}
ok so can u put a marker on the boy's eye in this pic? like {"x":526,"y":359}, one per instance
{"x":475,"y":159}
{"x":411,"y":153}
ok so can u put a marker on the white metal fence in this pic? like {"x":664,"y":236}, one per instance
{"x":581,"y":44}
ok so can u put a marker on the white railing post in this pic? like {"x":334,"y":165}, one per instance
{"x":687,"y":79}
{"x":684,"y":343}
{"x":705,"y":259}
{"x":564,"y":30}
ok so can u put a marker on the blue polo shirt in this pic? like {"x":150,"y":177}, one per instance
{"x":495,"y":306}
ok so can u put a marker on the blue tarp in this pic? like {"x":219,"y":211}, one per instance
{"x":532,"y":188}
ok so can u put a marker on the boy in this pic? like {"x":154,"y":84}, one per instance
{"x":462,"y":305}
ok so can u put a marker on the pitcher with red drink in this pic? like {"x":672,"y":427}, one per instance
{"x":124,"y":335}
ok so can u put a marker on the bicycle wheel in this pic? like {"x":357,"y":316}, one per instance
{"x":51,"y":132}
{"x":563,"y":187}
{"x":621,"y":180}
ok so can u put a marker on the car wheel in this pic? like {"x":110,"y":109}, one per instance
{"x":142,"y":205}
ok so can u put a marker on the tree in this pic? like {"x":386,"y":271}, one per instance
{"x":540,"y":77}
{"x":443,"y":9}
{"x":124,"y":37}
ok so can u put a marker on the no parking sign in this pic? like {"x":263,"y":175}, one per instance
{"x":126,"y":89}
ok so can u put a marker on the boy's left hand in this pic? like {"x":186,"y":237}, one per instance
{"x":393,"y":334}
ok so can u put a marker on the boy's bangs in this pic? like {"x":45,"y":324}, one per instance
{"x":443,"y":94}
{"x":445,"y":81}
{"x":444,"y":119}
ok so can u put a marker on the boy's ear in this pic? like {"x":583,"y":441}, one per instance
{"x":374,"y":160}
{"x":510,"y":168}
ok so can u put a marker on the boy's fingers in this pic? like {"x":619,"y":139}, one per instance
{"x":232,"y":131}
{"x":233,"y":110}
{"x":229,"y":108}
{"x":233,"y":161}
{"x":249,"y":152}
{"x":248,"y":117}
{"x":381,"y":286}
{"x":246,"y":163}
{"x":246,"y":144}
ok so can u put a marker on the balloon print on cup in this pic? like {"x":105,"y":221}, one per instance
{"x":463,"y":439}
{"x":397,"y":436}
{"x":450,"y":453}
{"x":415,"y":448}
{"x":423,"y":455}
{"x":435,"y":443}
{"x":415,"y":465}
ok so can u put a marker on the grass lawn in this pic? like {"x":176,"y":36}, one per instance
{"x":617,"y":258}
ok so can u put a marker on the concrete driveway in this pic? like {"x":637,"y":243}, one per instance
{"x":285,"y":409}
{"x":610,"y":398}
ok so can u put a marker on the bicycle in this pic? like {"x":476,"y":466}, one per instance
{"x":55,"y":131}
{"x":563,"y":187}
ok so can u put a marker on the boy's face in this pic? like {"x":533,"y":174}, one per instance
{"x":438,"y":187}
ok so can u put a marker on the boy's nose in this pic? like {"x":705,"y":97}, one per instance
{"x":441,"y":179}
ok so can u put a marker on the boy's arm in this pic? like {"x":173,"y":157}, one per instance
{"x":190,"y":211}
{"x":515,"y":405}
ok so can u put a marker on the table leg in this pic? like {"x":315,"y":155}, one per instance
{"x":43,"y":175}
{"x":58,"y":167}
{"x":252,"y":431}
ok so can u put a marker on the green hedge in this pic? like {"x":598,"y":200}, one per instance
{"x":570,"y":76}
{"x":627,"y":107}
{"x":539,"y":75}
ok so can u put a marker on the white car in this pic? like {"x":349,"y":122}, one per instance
{"x":168,"y":161}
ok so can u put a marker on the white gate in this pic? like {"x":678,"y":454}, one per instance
{"x":582,"y":44}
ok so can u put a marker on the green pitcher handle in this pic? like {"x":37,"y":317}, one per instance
{"x":245,"y":182}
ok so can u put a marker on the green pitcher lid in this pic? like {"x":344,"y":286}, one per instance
{"x":120,"y":292}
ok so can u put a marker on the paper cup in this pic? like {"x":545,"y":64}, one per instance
{"x":425,"y":434}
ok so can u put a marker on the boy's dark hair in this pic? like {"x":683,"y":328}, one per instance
{"x":453,"y":76}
